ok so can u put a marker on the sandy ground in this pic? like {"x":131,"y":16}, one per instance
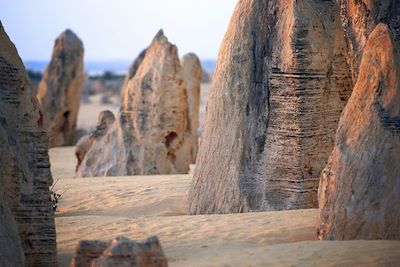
{"x":140,"y":206}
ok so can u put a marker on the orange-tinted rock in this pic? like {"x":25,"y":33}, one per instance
{"x":279,"y":87}
{"x":60,"y":89}
{"x":27,"y":232}
{"x":359,"y":18}
{"x":150,"y":132}
{"x":192,"y":75}
{"x":359,"y":192}
{"x":120,"y":252}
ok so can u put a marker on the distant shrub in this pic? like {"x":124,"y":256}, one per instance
{"x":34,"y":75}
{"x":107,"y":75}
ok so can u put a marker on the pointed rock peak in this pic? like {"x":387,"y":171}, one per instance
{"x":69,"y":32}
{"x":160,"y":37}
{"x":159,"y":34}
{"x":68,"y":36}
{"x":380,"y":30}
{"x":8,"y":51}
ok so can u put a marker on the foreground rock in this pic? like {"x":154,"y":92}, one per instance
{"x":27,"y":229}
{"x":280,"y":85}
{"x":149,"y":135}
{"x":60,"y":89}
{"x":359,"y":193}
{"x":104,"y":122}
{"x":192,"y":74}
{"x":120,"y":252}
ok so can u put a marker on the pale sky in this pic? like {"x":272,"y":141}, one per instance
{"x":116,"y":29}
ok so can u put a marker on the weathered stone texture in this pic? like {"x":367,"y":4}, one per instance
{"x":132,"y":70}
{"x":120,"y":251}
{"x":280,"y":85}
{"x":359,"y":192}
{"x":359,"y":18}
{"x":87,"y":251}
{"x":60,"y":89}
{"x":192,"y":75}
{"x":27,"y":219}
{"x":150,"y":133}
{"x":105,"y":121}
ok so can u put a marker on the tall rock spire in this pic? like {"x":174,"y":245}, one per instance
{"x":280,"y":85}
{"x":60,"y":89}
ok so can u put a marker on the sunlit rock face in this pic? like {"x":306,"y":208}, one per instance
{"x":149,"y":136}
{"x":60,"y":89}
{"x":359,"y":19}
{"x":359,"y":192}
{"x":359,"y":186}
{"x":280,"y":85}
{"x":192,"y":75}
{"x":27,"y":231}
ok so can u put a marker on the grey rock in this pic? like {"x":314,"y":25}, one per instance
{"x":87,"y":251}
{"x":27,"y":231}
{"x":279,"y":87}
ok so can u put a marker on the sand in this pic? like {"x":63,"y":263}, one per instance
{"x":140,"y":206}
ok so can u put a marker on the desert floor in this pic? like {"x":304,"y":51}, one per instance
{"x":140,"y":206}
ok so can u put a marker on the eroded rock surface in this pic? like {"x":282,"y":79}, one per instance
{"x":150,"y":132}
{"x":280,"y":85}
{"x":192,"y":75}
{"x":120,"y":251}
{"x":132,"y":70}
{"x":359,"y":18}
{"x":104,"y":122}
{"x":359,"y":192}
{"x":87,"y":251}
{"x":60,"y":89}
{"x":27,"y":231}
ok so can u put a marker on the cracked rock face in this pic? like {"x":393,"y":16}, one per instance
{"x":120,"y":251}
{"x":150,"y":132}
{"x":280,"y":85}
{"x":359,"y":192}
{"x":27,"y":221}
{"x":192,"y":74}
{"x":60,"y":89}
